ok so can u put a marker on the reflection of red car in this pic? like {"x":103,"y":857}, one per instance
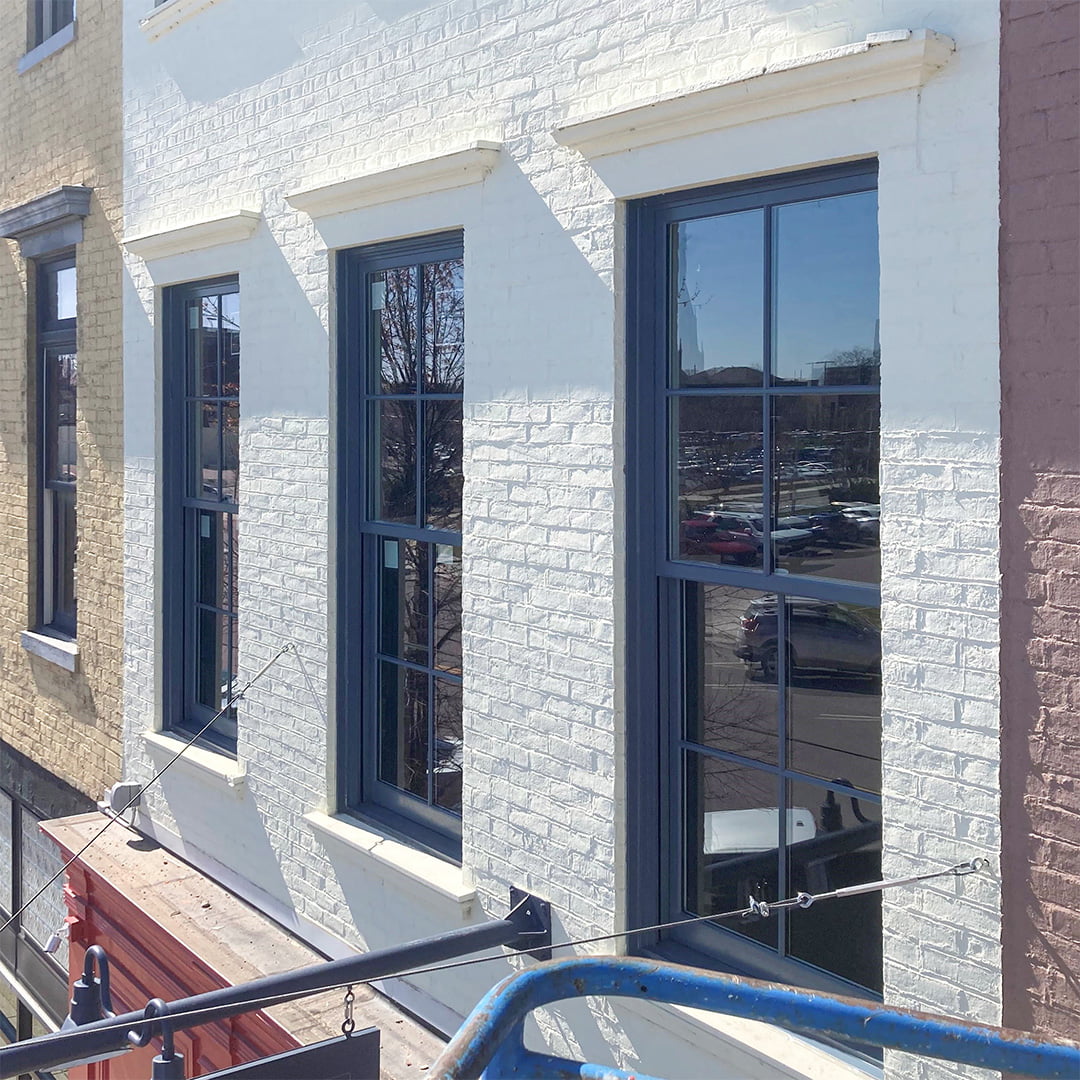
{"x":701,"y":539}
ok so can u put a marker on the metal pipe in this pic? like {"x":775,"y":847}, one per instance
{"x":103,"y":1036}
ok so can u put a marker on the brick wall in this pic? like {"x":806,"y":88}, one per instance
{"x":1040,"y":517}
{"x":60,"y":124}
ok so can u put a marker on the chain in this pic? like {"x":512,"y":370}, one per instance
{"x":348,"y":1025}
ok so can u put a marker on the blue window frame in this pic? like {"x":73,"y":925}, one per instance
{"x":754,"y":568}
{"x":201,"y":409}
{"x":400,"y":385}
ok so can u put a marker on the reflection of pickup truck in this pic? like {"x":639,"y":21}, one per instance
{"x":739,"y":831}
{"x":784,"y":539}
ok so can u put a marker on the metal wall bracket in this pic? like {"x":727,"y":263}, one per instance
{"x":531,"y":917}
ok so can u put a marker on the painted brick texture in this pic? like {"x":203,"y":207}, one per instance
{"x":60,"y":124}
{"x":1040,"y":525}
{"x":319,"y":94}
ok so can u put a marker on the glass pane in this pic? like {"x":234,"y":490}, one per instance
{"x":217,"y":558}
{"x":65,"y":290}
{"x":7,"y":904}
{"x":206,"y":450}
{"x":230,"y":452}
{"x":442,"y":465}
{"x":403,"y":599}
{"x":230,"y":345}
{"x":403,"y":728}
{"x":395,"y":482}
{"x":720,"y":481}
{"x":728,"y":705}
{"x":826,"y":499}
{"x":205,"y":346}
{"x":825,"y":282}
{"x":718,"y":301}
{"x":62,"y":382}
{"x":211,"y":647}
{"x":842,"y":848}
{"x":834,"y":690}
{"x":447,"y":586}
{"x":448,"y":745}
{"x":731,"y":841}
{"x":444,"y":327}
{"x":40,"y":860}
{"x":394,"y":328}
{"x":65,"y":556}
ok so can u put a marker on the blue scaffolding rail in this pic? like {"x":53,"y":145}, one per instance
{"x":490,"y":1044}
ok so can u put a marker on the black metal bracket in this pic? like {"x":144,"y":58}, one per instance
{"x":531,"y":917}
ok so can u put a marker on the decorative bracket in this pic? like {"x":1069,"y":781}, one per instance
{"x":531,"y":918}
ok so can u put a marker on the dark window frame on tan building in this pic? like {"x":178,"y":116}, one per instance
{"x":400,"y":387}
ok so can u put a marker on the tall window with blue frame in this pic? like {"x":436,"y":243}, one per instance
{"x":755,"y":567}
{"x":401,"y":382}
{"x":200,"y":517}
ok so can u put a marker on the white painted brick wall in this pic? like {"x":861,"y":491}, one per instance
{"x":254,"y":99}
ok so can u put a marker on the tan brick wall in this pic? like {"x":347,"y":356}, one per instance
{"x":60,"y":123}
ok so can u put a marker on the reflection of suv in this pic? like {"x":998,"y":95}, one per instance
{"x":785,"y":539}
{"x":822,"y":637}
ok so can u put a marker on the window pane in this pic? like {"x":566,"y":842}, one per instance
{"x":230,"y":452}
{"x":403,"y":728}
{"x":728,"y":705}
{"x":826,"y":500}
{"x":394,"y":328}
{"x":444,"y":327}
{"x":6,"y":855}
{"x":230,"y":345}
{"x":447,"y":587}
{"x":442,"y":465}
{"x":448,"y":743}
{"x":61,"y":389}
{"x":834,"y":691}
{"x":211,"y":647}
{"x":65,"y":291}
{"x":403,"y":599}
{"x":395,"y":481}
{"x":825,"y":323}
{"x":207,"y":450}
{"x":40,"y":860}
{"x":731,"y":841}
{"x":843,"y":848}
{"x":217,"y":545}
{"x":65,"y":554}
{"x":718,"y":302}
{"x":719,"y":479}
{"x":205,"y":376}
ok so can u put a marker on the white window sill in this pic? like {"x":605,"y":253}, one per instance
{"x":418,"y":867}
{"x":63,"y":652}
{"x":168,"y":16}
{"x":64,"y":36}
{"x":163,"y":745}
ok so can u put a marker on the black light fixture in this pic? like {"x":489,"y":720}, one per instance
{"x":90,"y":1001}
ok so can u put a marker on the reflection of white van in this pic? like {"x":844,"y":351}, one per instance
{"x":735,"y":831}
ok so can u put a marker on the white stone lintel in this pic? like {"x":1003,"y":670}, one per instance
{"x":456,"y":168}
{"x":882,"y":64}
{"x":227,"y":229}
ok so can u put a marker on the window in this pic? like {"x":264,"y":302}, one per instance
{"x":48,"y":17}
{"x":400,"y":415}
{"x":200,"y":517}
{"x":754,"y":377}
{"x":58,"y":381}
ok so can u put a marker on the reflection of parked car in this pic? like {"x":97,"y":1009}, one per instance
{"x":703,"y":538}
{"x":866,"y":519}
{"x":821,"y":637}
{"x":752,"y":525}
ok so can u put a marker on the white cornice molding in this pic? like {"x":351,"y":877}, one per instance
{"x":170,"y":15}
{"x":200,"y":234}
{"x":882,"y":64}
{"x":457,"y":168}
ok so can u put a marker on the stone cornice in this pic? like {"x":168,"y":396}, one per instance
{"x":200,"y":234}
{"x":67,"y":203}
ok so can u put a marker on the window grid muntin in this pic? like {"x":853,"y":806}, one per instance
{"x":674,"y":574}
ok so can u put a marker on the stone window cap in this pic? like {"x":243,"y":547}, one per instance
{"x":227,"y":229}
{"x":456,"y":168}
{"x":883,"y":63}
{"x":48,"y":222}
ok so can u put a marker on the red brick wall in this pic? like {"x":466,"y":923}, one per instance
{"x":1040,"y":425}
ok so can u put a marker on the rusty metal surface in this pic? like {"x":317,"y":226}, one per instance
{"x":490,"y":1043}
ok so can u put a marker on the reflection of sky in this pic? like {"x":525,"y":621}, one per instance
{"x":826,"y":285}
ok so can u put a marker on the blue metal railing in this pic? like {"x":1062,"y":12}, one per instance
{"x":490,"y":1044}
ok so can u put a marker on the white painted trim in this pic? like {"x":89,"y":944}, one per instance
{"x":433,"y":873}
{"x":59,"y":651}
{"x":195,"y":757}
{"x":227,"y":229}
{"x":170,"y":15}
{"x":882,"y":64}
{"x":457,"y":168}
